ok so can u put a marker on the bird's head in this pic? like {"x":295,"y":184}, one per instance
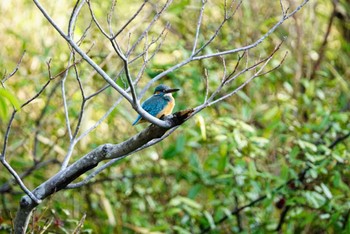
{"x":164,"y":90}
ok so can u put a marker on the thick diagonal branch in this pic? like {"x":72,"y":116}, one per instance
{"x":89,"y":161}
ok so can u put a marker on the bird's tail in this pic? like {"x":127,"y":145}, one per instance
{"x":137,"y":120}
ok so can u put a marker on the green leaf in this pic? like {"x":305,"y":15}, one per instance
{"x":194,"y":161}
{"x":178,"y":7}
{"x":174,"y":150}
{"x":260,"y":141}
{"x":201,"y":123}
{"x":338,"y":182}
{"x":252,"y":170}
{"x":326,"y":191}
{"x":181,"y":230}
{"x":244,"y":96}
{"x":284,"y":172}
{"x":170,"y":152}
{"x":210,"y":219}
{"x":307,"y":145}
{"x":177,"y":201}
{"x":272,"y":114}
{"x":3,"y":109}
{"x":180,"y":143}
{"x":222,"y":162}
{"x":194,"y":191}
{"x":288,"y":87}
{"x":315,"y":199}
{"x":246,"y":127}
{"x":4,"y":93}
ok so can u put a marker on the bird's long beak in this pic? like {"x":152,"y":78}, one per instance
{"x":171,"y":90}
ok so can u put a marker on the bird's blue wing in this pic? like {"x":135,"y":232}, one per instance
{"x":153,"y":106}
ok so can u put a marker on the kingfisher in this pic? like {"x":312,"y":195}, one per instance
{"x":161,"y":103}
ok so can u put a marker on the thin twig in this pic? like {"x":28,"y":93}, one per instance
{"x":18,"y":180}
{"x":147,"y":58}
{"x":241,"y":86}
{"x":338,"y":140}
{"x":232,"y":77}
{"x":225,"y":70}
{"x":282,"y":8}
{"x":199,"y":22}
{"x":238,"y":215}
{"x":84,"y":134}
{"x":6,"y":187}
{"x":64,"y":99}
{"x":6,"y":77}
{"x":37,"y":94}
{"x":81,"y":113}
{"x":73,"y":18}
{"x":110,"y":16}
{"x":161,"y":37}
{"x":236,"y":66}
{"x":40,"y":118}
{"x":7,"y":133}
{"x":276,"y":67}
{"x":127,"y":71}
{"x":96,"y":21}
{"x":206,"y":83}
{"x":130,"y":20}
{"x":282,"y":218}
{"x":84,"y":35}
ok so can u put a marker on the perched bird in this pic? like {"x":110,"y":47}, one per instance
{"x":161,"y":103}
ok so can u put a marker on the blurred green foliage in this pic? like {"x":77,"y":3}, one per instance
{"x":256,"y":143}
{"x":6,"y":95}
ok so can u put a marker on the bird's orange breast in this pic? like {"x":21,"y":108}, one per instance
{"x":168,"y":108}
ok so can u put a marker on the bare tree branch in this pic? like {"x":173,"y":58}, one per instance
{"x":111,"y":162}
{"x":93,"y":174}
{"x":199,"y":22}
{"x":161,"y":128}
{"x":89,"y":161}
{"x":103,"y":74}
{"x":245,"y":48}
{"x":3,"y":154}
